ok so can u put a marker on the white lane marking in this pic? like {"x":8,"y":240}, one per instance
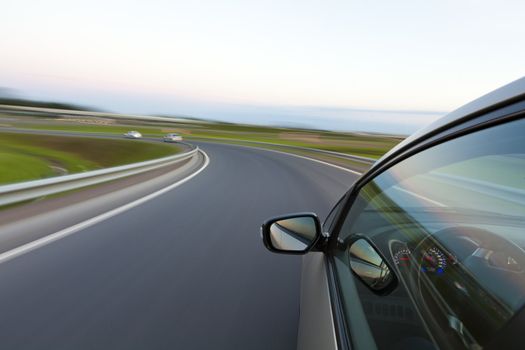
{"x":298,"y":156}
{"x":13,"y":253}
{"x":439,"y":204}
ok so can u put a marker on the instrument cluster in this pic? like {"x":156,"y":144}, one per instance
{"x":432,"y":260}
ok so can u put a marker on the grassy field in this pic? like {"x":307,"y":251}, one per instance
{"x":106,"y":129}
{"x":367,"y":145}
{"x":371,"y":147}
{"x":27,"y":157}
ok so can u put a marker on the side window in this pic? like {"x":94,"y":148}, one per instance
{"x":449,"y":221}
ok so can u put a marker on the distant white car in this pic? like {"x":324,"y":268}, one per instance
{"x":133,"y":135}
{"x":172,"y":138}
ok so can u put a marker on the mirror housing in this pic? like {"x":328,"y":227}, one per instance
{"x":370,"y":267}
{"x":291,"y":234}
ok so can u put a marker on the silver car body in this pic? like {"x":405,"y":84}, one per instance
{"x":133,"y":135}
{"x":172,"y":138}
{"x":319,"y":316}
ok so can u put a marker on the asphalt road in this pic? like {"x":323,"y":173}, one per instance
{"x":186,"y":270}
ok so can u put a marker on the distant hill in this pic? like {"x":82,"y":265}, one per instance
{"x":43,"y":104}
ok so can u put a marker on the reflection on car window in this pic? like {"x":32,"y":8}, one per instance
{"x":450,"y":221}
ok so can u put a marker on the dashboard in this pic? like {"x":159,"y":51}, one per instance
{"x":466,"y":282}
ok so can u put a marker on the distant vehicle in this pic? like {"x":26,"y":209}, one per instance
{"x":427,"y":249}
{"x":172,"y":138}
{"x":133,"y":135}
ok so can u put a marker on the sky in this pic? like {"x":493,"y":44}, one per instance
{"x":385,"y":66}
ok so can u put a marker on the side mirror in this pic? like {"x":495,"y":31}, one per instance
{"x":370,"y":267}
{"x":291,"y":234}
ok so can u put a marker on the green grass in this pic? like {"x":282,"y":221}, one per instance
{"x":371,"y":146}
{"x":27,"y":157}
{"x":19,"y":167}
{"x":365,"y":148}
{"x":108,"y":129}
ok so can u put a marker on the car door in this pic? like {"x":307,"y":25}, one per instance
{"x":428,"y":252}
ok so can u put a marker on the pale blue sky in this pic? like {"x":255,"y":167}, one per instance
{"x":355,"y":65}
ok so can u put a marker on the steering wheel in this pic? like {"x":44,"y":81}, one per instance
{"x":491,"y":262}
{"x":483,"y":262}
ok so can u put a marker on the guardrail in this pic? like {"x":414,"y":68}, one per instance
{"x":365,"y":160}
{"x":18,"y":192}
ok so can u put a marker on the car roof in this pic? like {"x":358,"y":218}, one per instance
{"x":495,"y":99}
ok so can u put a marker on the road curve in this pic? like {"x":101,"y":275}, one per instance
{"x":185,"y":270}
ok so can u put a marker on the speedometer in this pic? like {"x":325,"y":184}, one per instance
{"x":434,"y":261}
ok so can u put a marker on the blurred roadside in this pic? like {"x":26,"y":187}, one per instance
{"x":44,"y":139}
{"x":42,"y":116}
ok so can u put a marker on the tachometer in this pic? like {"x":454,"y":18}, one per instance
{"x":434,"y":261}
{"x":402,"y":257}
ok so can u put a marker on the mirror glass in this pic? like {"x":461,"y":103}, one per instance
{"x":369,"y":265}
{"x":294,"y":234}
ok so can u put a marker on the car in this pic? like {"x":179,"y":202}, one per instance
{"x":426,"y":249}
{"x":133,"y":135}
{"x":172,"y":138}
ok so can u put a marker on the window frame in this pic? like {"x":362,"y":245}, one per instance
{"x":458,"y":129}
{"x":427,"y":142}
